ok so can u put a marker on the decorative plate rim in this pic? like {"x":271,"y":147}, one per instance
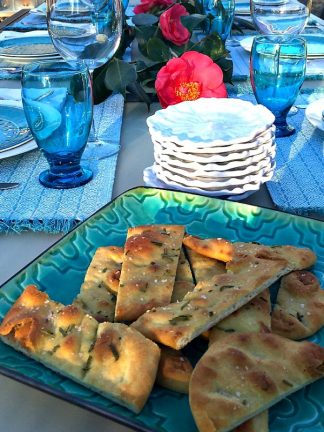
{"x":68,"y":397}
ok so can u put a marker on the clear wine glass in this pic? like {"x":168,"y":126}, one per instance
{"x":280,"y":16}
{"x":88,"y":31}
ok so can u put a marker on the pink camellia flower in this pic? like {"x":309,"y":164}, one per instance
{"x":189,"y":77}
{"x":152,"y":6}
{"x":171,"y":26}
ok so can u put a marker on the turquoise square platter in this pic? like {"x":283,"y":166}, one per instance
{"x":60,"y":271}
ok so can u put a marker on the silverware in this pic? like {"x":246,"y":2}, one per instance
{"x":6,"y":185}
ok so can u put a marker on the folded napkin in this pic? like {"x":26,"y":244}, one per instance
{"x":32,"y":206}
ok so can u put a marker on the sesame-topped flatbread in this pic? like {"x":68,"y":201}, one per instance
{"x":183,"y":280}
{"x":247,"y":275}
{"x":252,"y":317}
{"x":204,"y":268}
{"x":123,"y":365}
{"x":111,"y":359}
{"x":246,"y":373}
{"x":216,"y":248}
{"x":174,"y":370}
{"x":299,"y":308}
{"x":98,"y":292}
{"x":150,"y":261}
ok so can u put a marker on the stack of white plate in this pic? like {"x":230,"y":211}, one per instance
{"x":218,"y":147}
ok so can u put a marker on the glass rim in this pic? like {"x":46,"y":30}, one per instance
{"x":277,"y":39}
{"x":43,"y":66}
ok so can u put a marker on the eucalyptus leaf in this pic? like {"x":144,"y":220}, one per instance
{"x":144,"y":19}
{"x":213,"y":46}
{"x":157,"y":50}
{"x":119,"y":75}
{"x":193,"y":21}
{"x":144,"y":33}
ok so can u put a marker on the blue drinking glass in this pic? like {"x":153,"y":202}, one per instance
{"x":221,"y":13}
{"x":57,"y":101}
{"x":277,"y":71}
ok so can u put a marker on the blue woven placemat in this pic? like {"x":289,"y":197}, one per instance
{"x":32,"y":206}
{"x":297,"y":185}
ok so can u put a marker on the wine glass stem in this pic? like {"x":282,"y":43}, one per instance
{"x":93,"y":131}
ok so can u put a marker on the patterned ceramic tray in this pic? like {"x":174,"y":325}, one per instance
{"x":60,"y":271}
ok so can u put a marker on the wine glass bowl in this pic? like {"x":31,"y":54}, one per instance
{"x":279,"y":16}
{"x":88,"y":31}
{"x":277,"y":71}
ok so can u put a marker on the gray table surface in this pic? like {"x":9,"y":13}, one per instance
{"x":24,"y":409}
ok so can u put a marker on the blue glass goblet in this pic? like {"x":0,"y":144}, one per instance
{"x":277,"y":71}
{"x":221,"y":14}
{"x":57,"y":102}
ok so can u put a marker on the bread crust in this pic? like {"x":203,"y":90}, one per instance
{"x":174,"y":371}
{"x":183,"y":280}
{"x":98,"y":292}
{"x":246,"y":373}
{"x":299,"y":308}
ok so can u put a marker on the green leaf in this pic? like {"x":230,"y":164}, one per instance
{"x":227,"y":67}
{"x":157,"y":50}
{"x":136,"y":89}
{"x":144,"y":33}
{"x":144,"y":19}
{"x":119,"y":75}
{"x":193,"y":21}
{"x":213,"y":46}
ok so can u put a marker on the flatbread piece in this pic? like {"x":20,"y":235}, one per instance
{"x":246,"y":373}
{"x":299,"y":308}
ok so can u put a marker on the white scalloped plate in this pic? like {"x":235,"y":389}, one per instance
{"x":217,"y":184}
{"x":225,"y":172}
{"x":213,"y":150}
{"x":236,"y":193}
{"x":215,"y":162}
{"x":211,"y":122}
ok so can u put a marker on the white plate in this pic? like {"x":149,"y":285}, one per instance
{"x":221,"y":184}
{"x":211,"y":122}
{"x":208,"y":152}
{"x":216,"y":176}
{"x":234,"y":168}
{"x":315,"y":45}
{"x":222,"y":158}
{"x":23,"y":148}
{"x":314,"y":113}
{"x":31,"y":145}
{"x":238,"y":193}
